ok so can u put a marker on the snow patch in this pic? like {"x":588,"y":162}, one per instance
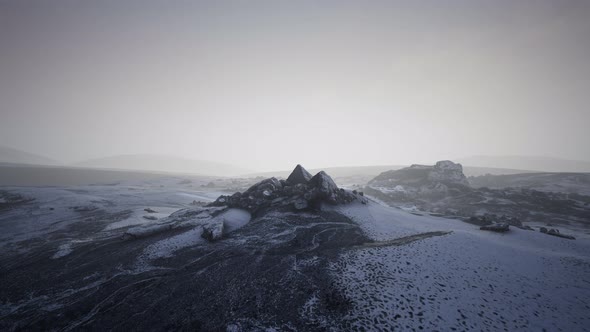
{"x":137,"y":217}
{"x":167,"y":247}
{"x":469,"y":279}
{"x":63,"y":250}
{"x":234,"y":219}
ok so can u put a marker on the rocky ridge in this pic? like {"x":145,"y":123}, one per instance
{"x":300,"y":191}
{"x":445,"y":177}
{"x":442,"y":189}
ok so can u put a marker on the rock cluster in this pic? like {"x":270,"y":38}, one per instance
{"x":488,"y":219}
{"x":204,"y":217}
{"x":213,"y":231}
{"x":497,"y":227}
{"x":300,"y":191}
{"x":421,"y":181}
{"x":446,"y":171}
{"x":555,"y":232}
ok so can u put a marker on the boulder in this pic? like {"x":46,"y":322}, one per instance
{"x":213,"y":231}
{"x":324,"y":185}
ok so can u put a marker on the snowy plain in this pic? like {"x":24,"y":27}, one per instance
{"x":465,"y":280}
{"x":460,"y":278}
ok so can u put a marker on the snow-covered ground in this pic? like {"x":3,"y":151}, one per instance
{"x":420,"y":273}
{"x":105,"y":210}
{"x":466,"y":280}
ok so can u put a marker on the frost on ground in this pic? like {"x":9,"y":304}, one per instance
{"x":139,"y":217}
{"x":466,"y":280}
{"x":63,"y":250}
{"x":95,"y":263}
{"x":201,"y":218}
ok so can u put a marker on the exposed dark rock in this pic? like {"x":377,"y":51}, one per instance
{"x":185,"y":218}
{"x":480,"y":220}
{"x":555,"y":232}
{"x":448,"y":171}
{"x":497,"y":227}
{"x":325,"y":187}
{"x":489,"y":219}
{"x":442,"y":189}
{"x":512,"y":221}
{"x":213,"y":231}
{"x":445,"y":172}
{"x":300,"y":204}
{"x":422,"y":182}
{"x":295,"y":193}
{"x":10,"y":200}
{"x":299,"y":176}
{"x":150,"y":218}
{"x":149,"y":210}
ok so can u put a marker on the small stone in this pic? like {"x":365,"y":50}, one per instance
{"x":212,"y":232}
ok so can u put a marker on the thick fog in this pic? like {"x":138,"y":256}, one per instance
{"x":266,"y":85}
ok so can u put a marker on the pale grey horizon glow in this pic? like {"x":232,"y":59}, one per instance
{"x":265,"y":85}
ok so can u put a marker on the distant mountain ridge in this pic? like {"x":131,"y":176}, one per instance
{"x":162,"y":163}
{"x":533,"y":163}
{"x":15,"y":156}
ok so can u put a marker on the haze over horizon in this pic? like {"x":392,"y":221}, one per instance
{"x":265,"y":85}
{"x":473,"y":165}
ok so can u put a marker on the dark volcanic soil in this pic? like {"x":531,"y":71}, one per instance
{"x":261,"y":275}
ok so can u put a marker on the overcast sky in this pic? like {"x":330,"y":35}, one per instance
{"x":266,"y":85}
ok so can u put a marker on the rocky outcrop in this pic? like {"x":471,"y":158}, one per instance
{"x":555,"y":232}
{"x":299,"y":176}
{"x":421,"y":182}
{"x":446,"y":171}
{"x":212,"y":231}
{"x":325,"y":188}
{"x":488,"y":219}
{"x":300,"y":191}
{"x":497,"y":227}
{"x":204,"y":217}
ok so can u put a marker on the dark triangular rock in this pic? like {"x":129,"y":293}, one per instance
{"x":324,"y":183}
{"x":299,"y":175}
